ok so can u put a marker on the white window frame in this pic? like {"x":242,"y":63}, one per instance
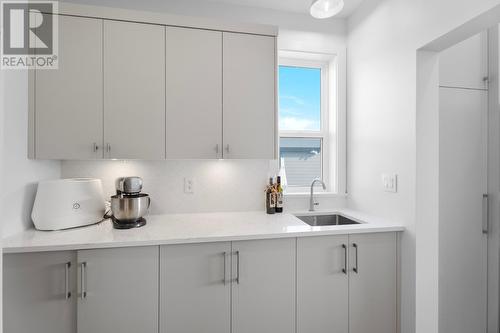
{"x":333,"y":117}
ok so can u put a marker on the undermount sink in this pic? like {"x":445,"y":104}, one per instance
{"x":325,"y":220}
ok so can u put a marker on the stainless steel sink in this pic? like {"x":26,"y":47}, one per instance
{"x":325,"y":220}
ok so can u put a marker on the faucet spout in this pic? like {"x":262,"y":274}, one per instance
{"x":312,"y":203}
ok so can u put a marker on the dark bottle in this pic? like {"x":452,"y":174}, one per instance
{"x":270,"y":198}
{"x":279,"y":195}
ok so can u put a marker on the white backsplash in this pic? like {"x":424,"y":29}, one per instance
{"x":219,"y":185}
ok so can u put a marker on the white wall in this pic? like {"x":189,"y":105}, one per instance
{"x":220,"y":185}
{"x":19,"y":175}
{"x":298,"y":31}
{"x":382,"y":41}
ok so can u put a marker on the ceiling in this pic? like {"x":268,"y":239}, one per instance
{"x":297,"y":6}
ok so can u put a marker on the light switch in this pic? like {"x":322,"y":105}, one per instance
{"x":188,"y":185}
{"x":390,"y":182}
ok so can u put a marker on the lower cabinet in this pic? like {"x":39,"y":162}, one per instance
{"x":239,"y":287}
{"x":263,"y":290}
{"x":107,"y":290}
{"x":373,"y":283}
{"x":39,"y":292}
{"x":195,"y":294}
{"x":118,"y":290}
{"x":324,"y":284}
{"x":347,"y":284}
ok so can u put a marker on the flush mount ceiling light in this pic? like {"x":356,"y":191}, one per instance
{"x":326,"y":8}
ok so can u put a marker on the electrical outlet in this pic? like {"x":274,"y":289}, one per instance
{"x":390,"y":182}
{"x":188,"y":185}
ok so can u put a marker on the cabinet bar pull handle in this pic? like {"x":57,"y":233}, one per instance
{"x":237,"y":267}
{"x":227,"y":148}
{"x":485,"y":214}
{"x":217,"y":150}
{"x":344,"y":270}
{"x":355,"y":268}
{"x":95,"y":147}
{"x":83,"y":273}
{"x":225,"y":268}
{"x":67,"y":292}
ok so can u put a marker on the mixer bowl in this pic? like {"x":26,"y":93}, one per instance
{"x":130,"y":208}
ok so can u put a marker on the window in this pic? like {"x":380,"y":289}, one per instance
{"x":309,"y":143}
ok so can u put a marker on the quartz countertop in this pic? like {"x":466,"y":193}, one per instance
{"x":191,"y":228}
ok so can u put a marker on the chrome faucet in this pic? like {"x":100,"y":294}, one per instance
{"x":311,"y":199}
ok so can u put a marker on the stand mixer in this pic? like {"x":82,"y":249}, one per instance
{"x":129,"y":205}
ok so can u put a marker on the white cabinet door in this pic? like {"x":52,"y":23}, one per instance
{"x":322,"y":285}
{"x":465,"y":65}
{"x":134,"y":90}
{"x":462,"y":183}
{"x":373,"y":283}
{"x":263,"y":289}
{"x":194,"y":93}
{"x":68,"y":101}
{"x":195,"y":293}
{"x":118,"y":290}
{"x":249,"y":107}
{"x":39,"y":292}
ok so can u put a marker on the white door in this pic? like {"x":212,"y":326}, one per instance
{"x":68,"y":100}
{"x":194,"y":93}
{"x":249,"y":106}
{"x":118,"y":290}
{"x":39,"y":292}
{"x":373,"y":283}
{"x":263,"y":289}
{"x":462,"y":183}
{"x":134,"y":90}
{"x":195,"y":292}
{"x":322,"y":285}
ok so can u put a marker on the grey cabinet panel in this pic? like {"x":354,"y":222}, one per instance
{"x":322,"y":285}
{"x":68,"y":101}
{"x":263,"y":294}
{"x":34,"y":293}
{"x":372,"y":283}
{"x":463,"y":253}
{"x":193,"y":294}
{"x":249,"y":106}
{"x":134,"y":90}
{"x":121,"y":286}
{"x":465,"y":64}
{"x":194,"y":93}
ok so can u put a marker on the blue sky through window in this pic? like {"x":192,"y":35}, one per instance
{"x":299,"y":98}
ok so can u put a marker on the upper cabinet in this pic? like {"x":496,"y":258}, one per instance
{"x":128,"y":90}
{"x":249,"y":104}
{"x":471,"y":58}
{"x":68,"y":101}
{"x":194,"y":93}
{"x":134,"y":90}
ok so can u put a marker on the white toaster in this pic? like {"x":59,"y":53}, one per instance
{"x":68,"y":203}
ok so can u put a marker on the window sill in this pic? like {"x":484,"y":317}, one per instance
{"x":316,"y":194}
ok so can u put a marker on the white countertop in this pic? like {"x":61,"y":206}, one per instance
{"x":190,"y":228}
